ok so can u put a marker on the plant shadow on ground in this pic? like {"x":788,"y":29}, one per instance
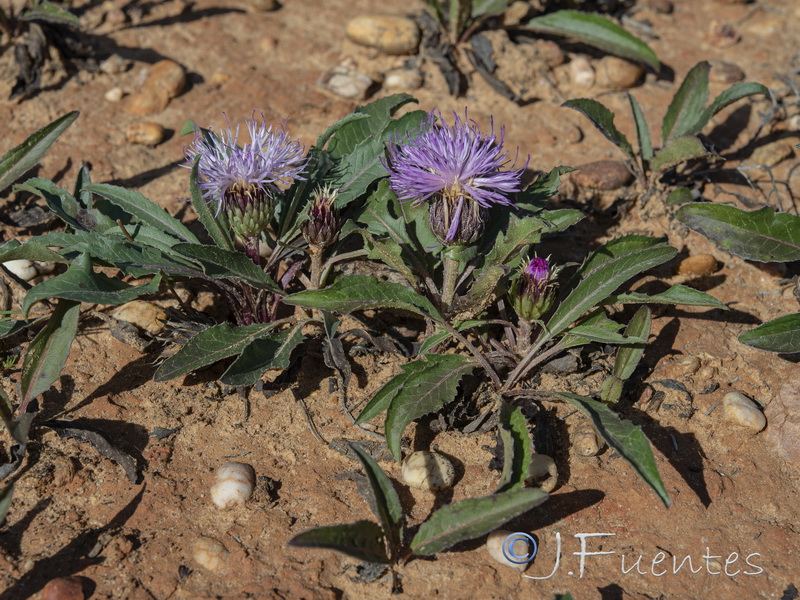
{"x":70,"y":559}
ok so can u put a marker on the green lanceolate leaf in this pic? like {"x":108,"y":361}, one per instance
{"x":507,"y":247}
{"x":80,"y":283}
{"x":216,"y":224}
{"x":678,"y":150}
{"x":19,"y":160}
{"x":332,"y":129}
{"x":779,"y":335}
{"x":517,"y":447}
{"x":582,"y":334}
{"x":143,"y":209}
{"x":468,"y":519}
{"x":360,"y":292}
{"x":761,"y":235}
{"x":596,"y":31}
{"x":11,"y":326}
{"x":687,"y":103}
{"x":607,"y":268}
{"x":628,"y":357}
{"x":603,"y":120}
{"x":362,"y":540}
{"x":544,"y":188}
{"x":30,"y":250}
{"x":48,"y":351}
{"x":679,"y":195}
{"x":209,"y":346}
{"x":273,"y":351}
{"x":58,"y":200}
{"x":428,"y":386}
{"x":676,"y":294}
{"x":487,"y":287}
{"x":642,"y":129}
{"x":622,"y":436}
{"x":726,"y":98}
{"x":387,"y":504}
{"x":219,"y":263}
{"x":50,"y":13}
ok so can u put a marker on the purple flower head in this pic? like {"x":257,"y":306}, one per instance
{"x":532,"y":294}
{"x":458,"y":168}
{"x":243,"y":180}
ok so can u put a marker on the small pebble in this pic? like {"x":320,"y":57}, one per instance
{"x":725,"y":72}
{"x":783,"y":412}
{"x":689,"y":365}
{"x":210,"y":553}
{"x":114,"y":65}
{"x":167,"y":75}
{"x":392,"y":35}
{"x":618,"y":74}
{"x":585,"y":441}
{"x":266,"y":5}
{"x":602,"y":175}
{"x":22,"y":268}
{"x":699,"y":265}
{"x":113,"y":95}
{"x":235,"y":482}
{"x":706,"y":373}
{"x":516,"y":13}
{"x":346,"y":82}
{"x":218,"y":79}
{"x":550,"y":52}
{"x":520,"y":547}
{"x":145,"y":315}
{"x":581,"y":72}
{"x":403,"y":79}
{"x":149,"y":101}
{"x":430,"y":471}
{"x":145,"y":133}
{"x":721,"y":34}
{"x":571,"y":132}
{"x":739,"y":409}
{"x":543,"y":472}
{"x":64,"y":588}
{"x":772,"y":154}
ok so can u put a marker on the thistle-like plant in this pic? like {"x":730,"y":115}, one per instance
{"x":685,"y":118}
{"x":459,"y":282}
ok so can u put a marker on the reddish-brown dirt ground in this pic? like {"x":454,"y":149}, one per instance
{"x":734,"y":493}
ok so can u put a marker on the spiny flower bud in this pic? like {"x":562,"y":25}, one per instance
{"x":249,"y":209}
{"x":533,"y":293}
{"x":323,"y":224}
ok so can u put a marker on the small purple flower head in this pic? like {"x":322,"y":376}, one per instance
{"x":460,"y":171}
{"x":323,"y":224}
{"x":533,"y":292}
{"x":243,"y":180}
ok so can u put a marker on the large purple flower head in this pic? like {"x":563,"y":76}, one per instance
{"x":533,"y":292}
{"x":243,"y":180}
{"x":460,"y":171}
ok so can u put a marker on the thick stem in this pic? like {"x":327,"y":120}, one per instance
{"x":251,"y":249}
{"x":451,"y":268}
{"x":316,"y":266}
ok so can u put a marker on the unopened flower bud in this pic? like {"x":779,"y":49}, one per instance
{"x":533,"y":293}
{"x":249,"y":209}
{"x":323,"y":224}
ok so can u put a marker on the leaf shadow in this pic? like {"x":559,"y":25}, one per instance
{"x":71,"y":558}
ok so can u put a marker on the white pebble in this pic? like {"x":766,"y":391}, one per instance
{"x":234,"y":485}
{"x":403,"y":79}
{"x":428,"y":471}
{"x":581,"y":72}
{"x":739,"y":409}
{"x":22,"y":268}
{"x":210,"y":554}
{"x":517,"y":547}
{"x":585,"y":441}
{"x":543,"y":472}
{"x":113,"y":95}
